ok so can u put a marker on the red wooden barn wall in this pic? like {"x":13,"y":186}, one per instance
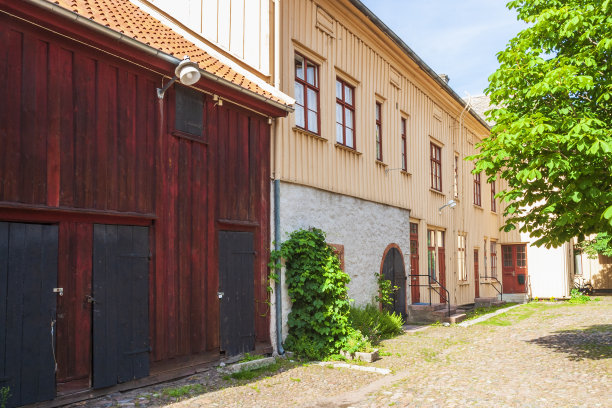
{"x":81,"y":130}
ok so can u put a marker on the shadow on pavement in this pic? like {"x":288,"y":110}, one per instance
{"x":593,"y":342}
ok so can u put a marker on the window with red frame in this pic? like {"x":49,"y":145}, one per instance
{"x":404,"y":158}
{"x":493,"y":202}
{"x":477,"y":197}
{"x":345,"y":114}
{"x":379,"y":155}
{"x":436,"y":166}
{"x":306,"y":94}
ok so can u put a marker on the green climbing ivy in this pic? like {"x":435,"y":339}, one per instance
{"x":319,"y":317}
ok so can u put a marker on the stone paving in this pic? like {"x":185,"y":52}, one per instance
{"x":536,"y":355}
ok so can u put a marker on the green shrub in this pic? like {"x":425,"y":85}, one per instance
{"x":318,"y":321}
{"x":576,"y":297}
{"x":374,"y":324}
{"x":356,"y":341}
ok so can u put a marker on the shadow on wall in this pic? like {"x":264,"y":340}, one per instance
{"x":603,"y":279}
{"x":593,"y":343}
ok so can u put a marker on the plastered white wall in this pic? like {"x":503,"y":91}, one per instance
{"x":364,"y":228}
{"x":549,"y":270}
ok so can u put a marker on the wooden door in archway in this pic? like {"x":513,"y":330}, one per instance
{"x":394,"y":271}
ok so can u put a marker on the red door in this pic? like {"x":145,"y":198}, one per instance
{"x":415,"y":293}
{"x":514,"y":268}
{"x":476,"y":275}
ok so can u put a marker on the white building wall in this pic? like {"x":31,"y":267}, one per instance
{"x":549,"y":270}
{"x":363,"y":227}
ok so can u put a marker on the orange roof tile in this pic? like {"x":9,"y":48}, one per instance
{"x":126,"y":18}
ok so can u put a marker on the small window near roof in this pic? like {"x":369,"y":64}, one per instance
{"x":189,"y":110}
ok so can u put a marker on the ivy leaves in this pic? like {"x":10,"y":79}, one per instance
{"x":552,"y":142}
{"x":319,"y":318}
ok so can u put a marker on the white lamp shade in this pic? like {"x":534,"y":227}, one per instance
{"x":187,"y":72}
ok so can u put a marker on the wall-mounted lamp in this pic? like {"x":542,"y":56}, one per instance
{"x":187,"y":72}
{"x":451,"y":204}
{"x":218,"y":101}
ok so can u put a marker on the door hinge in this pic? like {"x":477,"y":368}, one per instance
{"x":59,"y":291}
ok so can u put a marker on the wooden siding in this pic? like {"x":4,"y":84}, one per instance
{"x":241,"y":28}
{"x":347,"y":45}
{"x":86,"y":140}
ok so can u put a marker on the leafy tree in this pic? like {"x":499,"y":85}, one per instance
{"x":552,"y":141}
{"x":601,"y":244}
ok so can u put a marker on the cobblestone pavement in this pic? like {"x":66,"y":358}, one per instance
{"x":537,"y":355}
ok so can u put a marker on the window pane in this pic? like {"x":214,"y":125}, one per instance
{"x":441,"y":239}
{"x":299,"y":67}
{"x":299,"y":93}
{"x":404,"y":127}
{"x":378,"y":111}
{"x":313,"y":125}
{"x":312,"y":100}
{"x":339,"y":133}
{"x":339,"y":114}
{"x":338,"y":89}
{"x":348,"y":95}
{"x":299,"y":116}
{"x":348,"y":116}
{"x":349,"y":138}
{"x":311,"y":74}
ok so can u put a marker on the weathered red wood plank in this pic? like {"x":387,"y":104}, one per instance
{"x":74,"y":312}
{"x":56,"y":77}
{"x":67,"y":107}
{"x":185,"y":244}
{"x":199,"y":239}
{"x":112,"y":173}
{"x":11,"y":144}
{"x":104,"y":85}
{"x":84,"y":131}
{"x":216,"y":128}
{"x":229,"y":200}
{"x":244,"y":175}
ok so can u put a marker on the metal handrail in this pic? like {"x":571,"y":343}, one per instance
{"x":501,"y":286}
{"x":431,"y":278}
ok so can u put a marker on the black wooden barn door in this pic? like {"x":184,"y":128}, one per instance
{"x":394,"y":271}
{"x":121,"y":304}
{"x":236,"y":292}
{"x":28,"y":275}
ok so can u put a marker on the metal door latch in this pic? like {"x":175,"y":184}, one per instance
{"x":59,"y":291}
{"x":220,"y":294}
{"x":90,"y":299}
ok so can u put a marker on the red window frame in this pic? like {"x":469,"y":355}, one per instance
{"x":493,"y":202}
{"x":436,"y":166}
{"x":344,"y":105}
{"x":403,"y":131}
{"x":456,"y":176}
{"x":477,"y":197}
{"x":379,"y":153}
{"x":306,"y":86}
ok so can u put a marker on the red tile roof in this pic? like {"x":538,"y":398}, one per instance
{"x":126,"y":18}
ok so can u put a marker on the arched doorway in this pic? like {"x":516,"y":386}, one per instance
{"x":393,"y":269}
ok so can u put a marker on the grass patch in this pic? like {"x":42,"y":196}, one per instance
{"x":258,"y":372}
{"x":518,"y":314}
{"x":481,"y":311}
{"x":374,"y":324}
{"x":251,"y":357}
{"x":429,"y":355}
{"x":183,"y":391}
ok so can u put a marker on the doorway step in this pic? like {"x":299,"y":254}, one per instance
{"x":516,"y":297}
{"x":488,"y":301}
{"x":436,"y":312}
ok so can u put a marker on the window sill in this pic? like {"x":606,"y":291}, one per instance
{"x":405,"y":173}
{"x":433,"y":190}
{"x":194,"y":138}
{"x":381,"y":164}
{"x":494,"y":212}
{"x":348,"y":149}
{"x":305,"y":132}
{"x":478,"y":207}
{"x":464,"y":283}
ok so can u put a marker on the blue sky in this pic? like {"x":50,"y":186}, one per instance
{"x":456,"y":37}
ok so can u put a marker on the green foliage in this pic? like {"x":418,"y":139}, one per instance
{"x":576,"y":297}
{"x":5,"y":394}
{"x":356,"y":341}
{"x":250,"y":374}
{"x":185,"y":390}
{"x":481,"y":311}
{"x":601,"y":244}
{"x":385,"y":290}
{"x":251,"y":357}
{"x":552,"y":141}
{"x":318,"y":322}
{"x":374,"y":324}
